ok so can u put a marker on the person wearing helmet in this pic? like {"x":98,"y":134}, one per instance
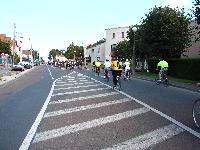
{"x":163,"y":66}
{"x":127,"y":68}
{"x":107,"y":66}
{"x":116,"y":70}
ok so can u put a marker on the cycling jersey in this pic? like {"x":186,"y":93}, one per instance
{"x":163,"y":64}
{"x":116,"y":65}
{"x":97,"y":64}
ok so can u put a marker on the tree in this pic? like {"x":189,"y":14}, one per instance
{"x":53,"y":53}
{"x":196,"y":11}
{"x":74,"y":50}
{"x":122,"y":50}
{"x":164,"y":32}
{"x":35,"y":55}
{"x":5,"y":47}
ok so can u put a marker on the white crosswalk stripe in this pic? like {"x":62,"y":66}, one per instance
{"x":83,"y":91}
{"x":73,"y":82}
{"x":83,"y":98}
{"x":149,"y":139}
{"x":81,"y":108}
{"x":86,"y":125}
{"x":76,"y":87}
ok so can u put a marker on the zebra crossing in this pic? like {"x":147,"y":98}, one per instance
{"x":85,"y":114}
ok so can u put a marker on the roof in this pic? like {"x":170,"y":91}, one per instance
{"x":26,"y":52}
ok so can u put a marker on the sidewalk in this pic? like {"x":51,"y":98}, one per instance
{"x":8,"y":75}
{"x":188,"y":86}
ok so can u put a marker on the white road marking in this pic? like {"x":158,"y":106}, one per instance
{"x":50,"y":73}
{"x":149,"y":139}
{"x":83,"y":91}
{"x":190,"y":130}
{"x":76,"y":87}
{"x":60,"y":82}
{"x":72,"y":81}
{"x":42,"y":136}
{"x":83,"y":80}
{"x":89,"y":82}
{"x":87,"y":107}
{"x":26,"y":142}
{"x":83,"y":98}
{"x":70,"y":84}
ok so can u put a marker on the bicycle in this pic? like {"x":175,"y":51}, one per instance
{"x":98,"y":70}
{"x":127,"y":75}
{"x":118,"y":85}
{"x":106,"y":76}
{"x":196,"y":112}
{"x":163,"y":80}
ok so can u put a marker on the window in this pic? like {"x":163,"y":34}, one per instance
{"x":113,"y":35}
{"x":122,"y":34}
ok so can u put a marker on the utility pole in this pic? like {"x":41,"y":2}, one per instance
{"x":13,"y":50}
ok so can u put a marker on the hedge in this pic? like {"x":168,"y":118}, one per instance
{"x":179,"y":68}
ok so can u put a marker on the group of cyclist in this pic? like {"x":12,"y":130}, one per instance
{"x":117,"y":67}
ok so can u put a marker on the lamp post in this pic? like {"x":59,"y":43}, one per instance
{"x":133,"y":56}
{"x":74,"y":55}
{"x":85,"y":60}
{"x":20,"y":49}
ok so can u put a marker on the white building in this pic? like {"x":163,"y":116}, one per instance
{"x":114,"y":36}
{"x":96,"y":51}
{"x":103,"y":49}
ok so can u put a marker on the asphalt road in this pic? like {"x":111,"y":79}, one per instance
{"x":50,"y":108}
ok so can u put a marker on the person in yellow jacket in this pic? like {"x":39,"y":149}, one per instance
{"x":98,"y":65}
{"x":116,"y":67}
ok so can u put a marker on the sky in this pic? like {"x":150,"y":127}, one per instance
{"x":54,"y":24}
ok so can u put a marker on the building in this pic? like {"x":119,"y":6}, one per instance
{"x":96,"y":51}
{"x":194,"y":50}
{"x":103,"y":49}
{"x":113,"y":37}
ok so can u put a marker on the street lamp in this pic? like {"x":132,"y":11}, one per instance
{"x":74,"y":55}
{"x":85,"y":60}
{"x":133,"y":56}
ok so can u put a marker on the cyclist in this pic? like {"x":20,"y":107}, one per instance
{"x":127,"y":68}
{"x":116,"y":70}
{"x":107,"y":66}
{"x":163,"y":65}
{"x":97,"y":66}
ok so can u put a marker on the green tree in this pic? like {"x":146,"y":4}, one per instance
{"x":35,"y":55}
{"x":5,"y":47}
{"x":74,"y":50}
{"x":196,"y":11}
{"x":164,"y":32}
{"x":122,"y":50}
{"x":53,"y":53}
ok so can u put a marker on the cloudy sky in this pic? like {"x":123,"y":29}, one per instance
{"x":57,"y":23}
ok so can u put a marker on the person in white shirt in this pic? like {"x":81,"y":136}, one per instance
{"x":127,"y":67}
{"x":107,"y":66}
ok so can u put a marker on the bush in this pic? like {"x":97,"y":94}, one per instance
{"x":179,"y":68}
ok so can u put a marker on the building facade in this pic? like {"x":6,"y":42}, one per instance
{"x":113,"y":37}
{"x":194,"y":50}
{"x":103,"y":49}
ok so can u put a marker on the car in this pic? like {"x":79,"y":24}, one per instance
{"x":18,"y":67}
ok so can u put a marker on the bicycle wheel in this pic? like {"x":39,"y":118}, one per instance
{"x":119,"y":85}
{"x":196,"y":113}
{"x":166,"y":82}
{"x":157,"y":81}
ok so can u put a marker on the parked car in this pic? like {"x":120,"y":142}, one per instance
{"x":18,"y":67}
{"x":27,"y":64}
